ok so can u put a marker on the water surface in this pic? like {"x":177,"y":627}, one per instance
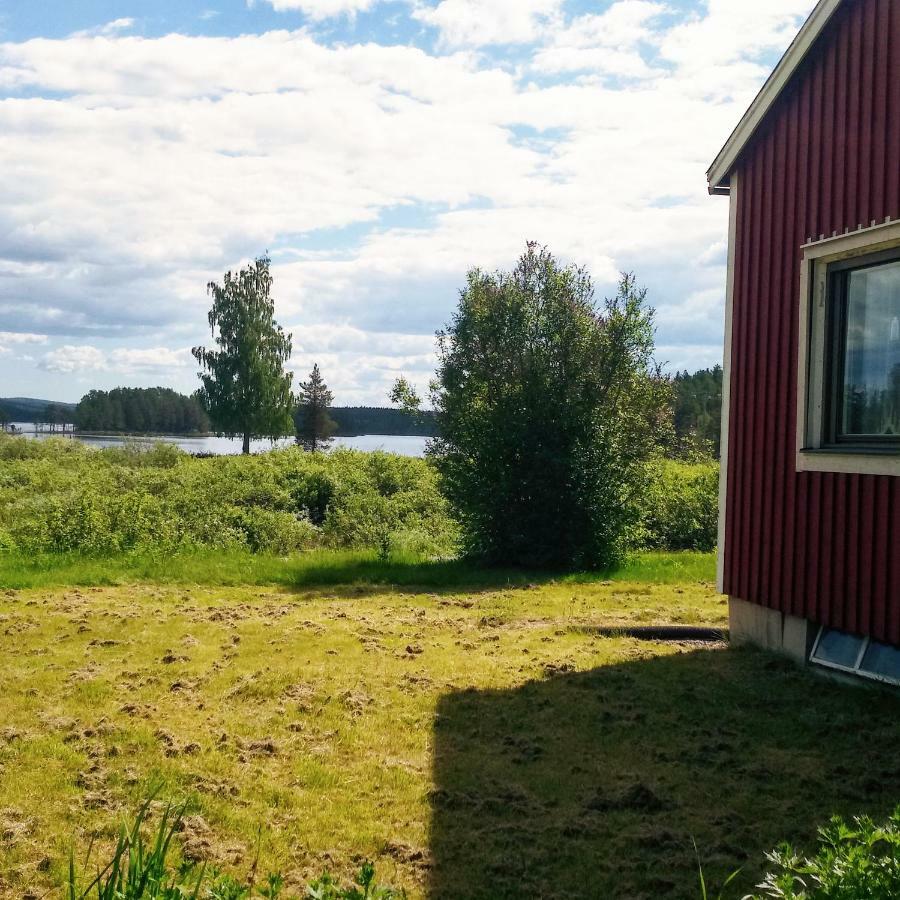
{"x":405,"y":445}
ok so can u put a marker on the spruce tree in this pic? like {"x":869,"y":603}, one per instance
{"x":313,"y":423}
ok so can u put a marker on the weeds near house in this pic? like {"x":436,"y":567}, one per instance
{"x":854,"y":861}
{"x":681,"y":508}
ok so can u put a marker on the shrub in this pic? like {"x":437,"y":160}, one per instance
{"x":860,"y":861}
{"x":58,"y":496}
{"x":61,"y":497}
{"x":548,"y":407}
{"x":681,"y":507}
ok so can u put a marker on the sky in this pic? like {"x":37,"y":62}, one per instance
{"x":377,"y":149}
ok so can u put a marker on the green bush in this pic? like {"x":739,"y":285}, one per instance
{"x":58,"y":496}
{"x":858,"y":861}
{"x":681,"y":507}
{"x":548,"y":406}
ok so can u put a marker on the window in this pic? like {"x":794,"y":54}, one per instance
{"x":863,"y":353}
{"x":849,"y":376}
{"x":857,"y":655}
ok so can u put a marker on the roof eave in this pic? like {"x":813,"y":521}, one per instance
{"x":719,"y":173}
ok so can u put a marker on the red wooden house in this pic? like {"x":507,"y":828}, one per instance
{"x":810,"y":500}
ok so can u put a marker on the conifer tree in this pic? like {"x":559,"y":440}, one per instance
{"x":313,"y":423}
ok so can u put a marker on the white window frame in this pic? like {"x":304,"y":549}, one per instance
{"x":811,"y":456}
{"x":856,"y":668}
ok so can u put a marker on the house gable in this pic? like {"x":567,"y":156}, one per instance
{"x":720,"y":171}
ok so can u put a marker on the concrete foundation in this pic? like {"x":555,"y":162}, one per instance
{"x":770,"y":629}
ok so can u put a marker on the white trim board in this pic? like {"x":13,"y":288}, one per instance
{"x":718,"y":173}
{"x":726,"y":381}
{"x":810,"y":457}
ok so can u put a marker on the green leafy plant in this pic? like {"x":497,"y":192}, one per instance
{"x":60,"y":497}
{"x":858,"y":861}
{"x":681,"y":506}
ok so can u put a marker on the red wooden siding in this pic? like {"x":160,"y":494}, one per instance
{"x":820,"y":545}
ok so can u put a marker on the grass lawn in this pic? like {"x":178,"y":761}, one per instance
{"x":466,"y":734}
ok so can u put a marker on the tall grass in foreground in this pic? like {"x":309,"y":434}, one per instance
{"x":322,"y":567}
{"x":137,"y":869}
{"x":140,"y":870}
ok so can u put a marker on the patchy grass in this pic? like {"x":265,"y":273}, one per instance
{"x":470,"y":741}
{"x":235,"y":568}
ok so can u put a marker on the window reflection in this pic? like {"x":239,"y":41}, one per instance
{"x":871,"y":383}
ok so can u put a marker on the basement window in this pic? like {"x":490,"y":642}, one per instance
{"x":857,"y":655}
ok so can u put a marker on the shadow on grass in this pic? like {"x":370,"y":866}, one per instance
{"x":593,"y":784}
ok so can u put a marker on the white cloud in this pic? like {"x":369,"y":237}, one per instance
{"x":360,"y":367}
{"x":733,"y":30}
{"x":608,"y":42}
{"x":152,"y":165}
{"x":123,"y":360}
{"x":150,"y":359}
{"x":323,"y":9}
{"x":71,"y":358}
{"x":18,"y":337}
{"x":477,"y":23}
{"x":110,"y":29}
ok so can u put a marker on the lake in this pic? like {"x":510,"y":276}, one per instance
{"x":405,"y":445}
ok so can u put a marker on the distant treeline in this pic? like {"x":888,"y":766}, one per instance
{"x":698,"y":408}
{"x":378,"y":420}
{"x":141,"y":411}
{"x":27,"y":409}
{"x":698,"y":404}
{"x":163,"y":411}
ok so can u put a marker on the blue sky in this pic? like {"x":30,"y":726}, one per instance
{"x":377,"y":148}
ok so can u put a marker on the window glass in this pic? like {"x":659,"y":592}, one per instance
{"x":882,"y":659}
{"x":870,"y":392}
{"x":838,"y":648}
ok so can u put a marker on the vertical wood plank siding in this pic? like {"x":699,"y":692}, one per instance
{"x":821,"y":545}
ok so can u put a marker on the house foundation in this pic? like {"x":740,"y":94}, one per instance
{"x":770,"y":629}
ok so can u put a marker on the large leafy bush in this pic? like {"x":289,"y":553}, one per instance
{"x":681,"y":506}
{"x":549,"y":407}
